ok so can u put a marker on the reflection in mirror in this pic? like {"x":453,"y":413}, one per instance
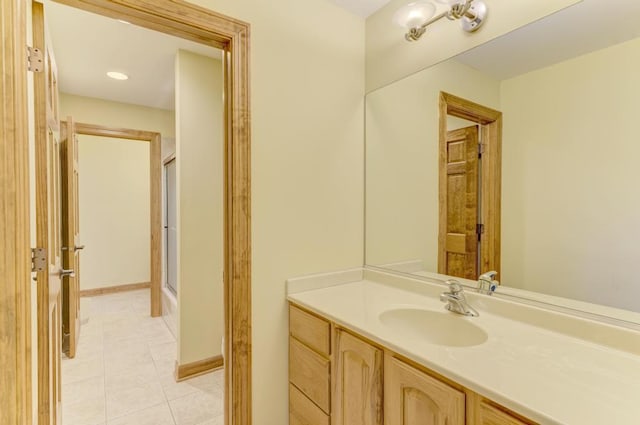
{"x":569,"y":197}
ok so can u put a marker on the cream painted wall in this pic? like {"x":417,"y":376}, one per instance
{"x":114,"y":199}
{"x":200,"y":162}
{"x":115,"y":114}
{"x":389,"y":57}
{"x":570,"y":189}
{"x":402,"y":160}
{"x":307,"y":88}
{"x":114,"y":191}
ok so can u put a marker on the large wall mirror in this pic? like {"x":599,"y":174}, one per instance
{"x":568,"y":213}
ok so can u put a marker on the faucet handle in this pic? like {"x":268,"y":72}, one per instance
{"x":454,"y":286}
{"x":488,"y":276}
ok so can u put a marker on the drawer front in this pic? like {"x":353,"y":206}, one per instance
{"x":302,"y":411}
{"x":310,"y":372}
{"x":313,"y":331}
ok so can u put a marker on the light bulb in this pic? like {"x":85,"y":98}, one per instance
{"x":414,"y":14}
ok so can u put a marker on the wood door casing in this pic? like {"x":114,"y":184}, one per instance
{"x":411,"y":397}
{"x":460,"y":203}
{"x":358,"y":382}
{"x":48,"y":226}
{"x":70,"y":237}
{"x":490,"y":176}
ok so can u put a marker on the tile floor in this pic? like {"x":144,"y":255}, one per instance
{"x":123,"y":371}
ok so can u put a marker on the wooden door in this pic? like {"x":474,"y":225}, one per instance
{"x":412,"y":397}
{"x":48,"y":226}
{"x":458,"y":239}
{"x":358,"y":383}
{"x":70,"y":238}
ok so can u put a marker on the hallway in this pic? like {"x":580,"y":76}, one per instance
{"x":123,"y":373}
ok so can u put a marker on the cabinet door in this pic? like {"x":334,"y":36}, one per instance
{"x":358,"y":382}
{"x":412,"y":397}
{"x":490,"y":415}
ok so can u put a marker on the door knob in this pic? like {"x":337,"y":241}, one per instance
{"x":65,"y":272}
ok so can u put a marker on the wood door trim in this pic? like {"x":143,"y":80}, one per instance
{"x":491,"y":121}
{"x":114,"y":132}
{"x":155,"y":199}
{"x":105,"y":290}
{"x":15,"y":243}
{"x":185,"y":20}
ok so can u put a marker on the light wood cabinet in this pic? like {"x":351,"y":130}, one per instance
{"x":309,"y":368}
{"x":358,"y":385}
{"x":411,"y":397}
{"x":311,"y":330}
{"x":303,"y":411}
{"x":309,"y":372}
{"x":338,"y":378}
{"x":488,"y":414}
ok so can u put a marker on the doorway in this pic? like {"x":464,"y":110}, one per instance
{"x":470,"y":149}
{"x":177,"y":18}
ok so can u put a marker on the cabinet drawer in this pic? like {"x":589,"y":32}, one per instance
{"x":310,"y":372}
{"x":302,"y":411}
{"x":311,"y":330}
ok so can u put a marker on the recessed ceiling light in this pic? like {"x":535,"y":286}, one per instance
{"x":117,"y":75}
{"x":122,"y":21}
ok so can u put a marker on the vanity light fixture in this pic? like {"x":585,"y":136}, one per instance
{"x":417,"y":16}
{"x":117,"y":75}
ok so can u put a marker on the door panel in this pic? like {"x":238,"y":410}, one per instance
{"x":70,"y":238}
{"x":460,"y":203}
{"x":48,"y":227}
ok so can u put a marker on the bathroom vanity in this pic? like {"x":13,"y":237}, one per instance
{"x":369,"y":347}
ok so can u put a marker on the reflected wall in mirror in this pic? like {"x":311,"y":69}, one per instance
{"x":570,"y":201}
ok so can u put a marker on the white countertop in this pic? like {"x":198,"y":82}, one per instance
{"x":550,"y":377}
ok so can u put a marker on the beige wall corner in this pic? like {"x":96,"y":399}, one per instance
{"x":390,"y":57}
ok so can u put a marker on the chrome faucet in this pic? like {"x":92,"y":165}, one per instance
{"x":455,"y":299}
{"x":486,"y":283}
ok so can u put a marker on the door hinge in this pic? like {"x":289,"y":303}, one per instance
{"x":35,"y":59}
{"x":479,"y":230}
{"x":480,"y":149}
{"x":38,"y":259}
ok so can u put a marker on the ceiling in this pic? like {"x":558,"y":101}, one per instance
{"x":87,"y":45}
{"x":577,"y":30}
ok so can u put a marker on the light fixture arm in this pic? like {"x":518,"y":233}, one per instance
{"x":471,"y":13}
{"x":460,"y":10}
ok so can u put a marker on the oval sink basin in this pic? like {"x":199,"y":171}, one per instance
{"x":442,"y":328}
